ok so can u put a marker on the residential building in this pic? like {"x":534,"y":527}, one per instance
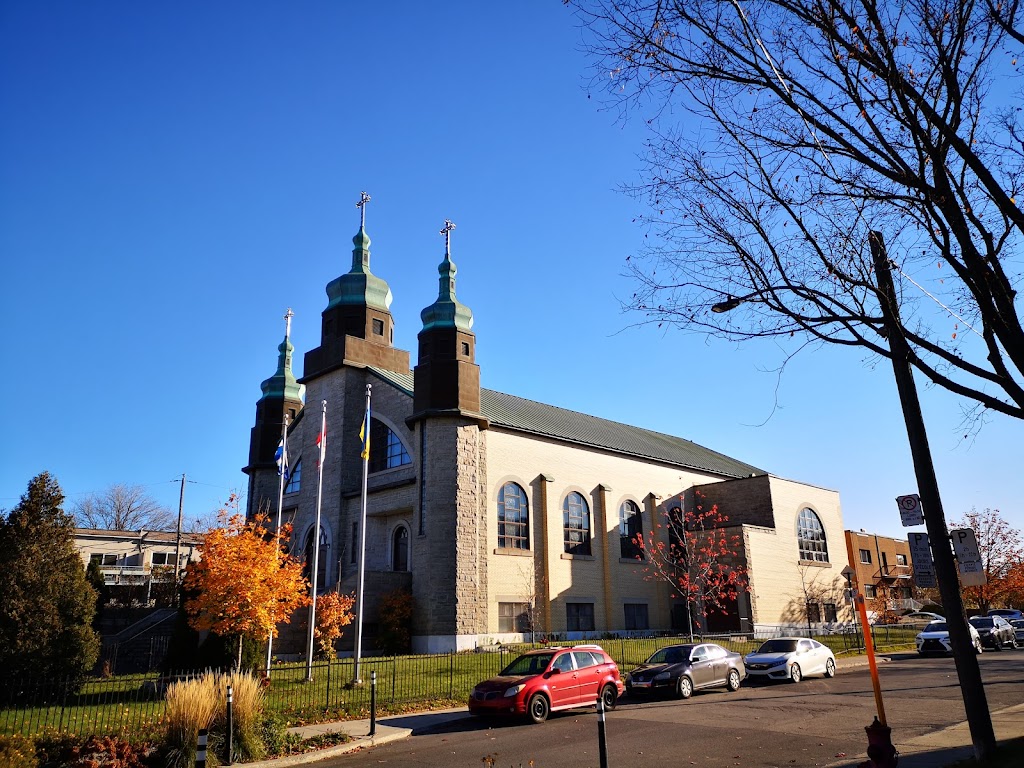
{"x":135,"y":558}
{"x":882,"y":567}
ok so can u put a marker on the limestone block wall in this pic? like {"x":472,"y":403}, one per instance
{"x":604,"y":480}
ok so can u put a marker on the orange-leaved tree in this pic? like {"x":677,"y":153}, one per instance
{"x":244,"y":583}
{"x":1001,"y":548}
{"x":333,"y":611}
{"x":700,"y":560}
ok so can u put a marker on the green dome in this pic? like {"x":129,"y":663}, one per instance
{"x":447,"y":311}
{"x":283,"y":383}
{"x":359,"y":286}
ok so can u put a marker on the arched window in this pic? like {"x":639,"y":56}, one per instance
{"x":513,"y":517}
{"x":386,"y":449}
{"x":400,"y":549}
{"x":294,"y":478}
{"x":629,"y":529}
{"x":322,"y":565}
{"x":811,"y":537}
{"x":576,"y":524}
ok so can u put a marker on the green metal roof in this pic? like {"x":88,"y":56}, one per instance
{"x":283,"y":383}
{"x":520,"y":415}
{"x":359,"y":285}
{"x":447,"y":311}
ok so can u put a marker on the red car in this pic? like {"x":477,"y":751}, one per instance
{"x":547,"y":680}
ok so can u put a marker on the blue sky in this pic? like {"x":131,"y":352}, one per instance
{"x":174,"y":176}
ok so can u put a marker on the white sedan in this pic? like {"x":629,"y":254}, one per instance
{"x":935,"y":639}
{"x":790,"y":658}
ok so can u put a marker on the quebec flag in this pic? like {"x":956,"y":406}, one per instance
{"x":281,"y":459}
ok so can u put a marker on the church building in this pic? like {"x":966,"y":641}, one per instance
{"x":502,"y":515}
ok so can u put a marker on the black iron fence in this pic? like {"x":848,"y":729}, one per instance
{"x":134,"y":704}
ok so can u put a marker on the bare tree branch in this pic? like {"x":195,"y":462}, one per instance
{"x":123,"y":508}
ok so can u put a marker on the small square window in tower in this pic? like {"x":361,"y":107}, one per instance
{"x":378,"y":327}
{"x":465,"y":349}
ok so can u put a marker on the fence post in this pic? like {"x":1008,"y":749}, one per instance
{"x":231,"y":728}
{"x":327,"y":696}
{"x":394,"y":678}
{"x":201,"y":749}
{"x":373,"y":702}
{"x":451,"y":674}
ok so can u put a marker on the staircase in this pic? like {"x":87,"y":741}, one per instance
{"x":139,"y":647}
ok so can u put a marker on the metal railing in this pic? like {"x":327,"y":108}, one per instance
{"x":134,"y":704}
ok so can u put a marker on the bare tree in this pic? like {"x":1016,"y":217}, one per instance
{"x":817,"y":122}
{"x":123,"y":508}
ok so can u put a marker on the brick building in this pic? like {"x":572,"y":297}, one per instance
{"x":882,"y":567}
{"x":495,"y":511}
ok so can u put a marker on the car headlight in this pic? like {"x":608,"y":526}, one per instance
{"x":514,"y":690}
{"x":662,"y":676}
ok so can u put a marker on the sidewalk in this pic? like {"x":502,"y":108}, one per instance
{"x":932,"y":750}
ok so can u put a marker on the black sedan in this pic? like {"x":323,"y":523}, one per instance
{"x":683,"y":669}
{"x":995,"y":631}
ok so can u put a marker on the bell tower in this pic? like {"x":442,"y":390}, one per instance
{"x":357,"y":326}
{"x":447,"y":378}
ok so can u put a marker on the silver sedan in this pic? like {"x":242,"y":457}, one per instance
{"x":790,"y":658}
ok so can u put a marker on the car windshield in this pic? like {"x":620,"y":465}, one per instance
{"x":531,"y":664}
{"x":937,"y":626}
{"x":777,"y":646}
{"x":671,"y":655}
{"x":981,"y":623}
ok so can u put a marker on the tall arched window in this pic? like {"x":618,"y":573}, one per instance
{"x":400,"y":549}
{"x":576,"y":524}
{"x":811,"y":537}
{"x":322,"y":564}
{"x":386,"y":449}
{"x":629,"y":529}
{"x":513,"y":517}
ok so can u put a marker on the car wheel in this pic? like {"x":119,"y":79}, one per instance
{"x":538,"y":708}
{"x":684,"y":687}
{"x":609,"y":695}
{"x":830,"y":668}
{"x":998,"y":646}
{"x":795,"y":675}
{"x":733,"y":683}
{"x":977,"y":648}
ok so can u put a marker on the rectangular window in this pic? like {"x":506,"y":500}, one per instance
{"x":901,"y":559}
{"x":514,"y":617}
{"x":579,"y":617}
{"x":378,"y":327}
{"x":294,"y":478}
{"x":869,"y":591}
{"x":354,"y":544}
{"x":813,"y":613}
{"x":163,"y":558}
{"x":636,"y":616}
{"x":865,"y":556}
{"x":98,"y":559}
{"x":830,"y":612}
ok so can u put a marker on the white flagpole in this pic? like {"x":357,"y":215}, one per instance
{"x":316,"y":539}
{"x":362,"y":545}
{"x":277,"y":531}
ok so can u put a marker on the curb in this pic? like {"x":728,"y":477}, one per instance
{"x":359,"y":742}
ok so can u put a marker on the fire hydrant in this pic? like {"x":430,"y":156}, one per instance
{"x":881,"y":752}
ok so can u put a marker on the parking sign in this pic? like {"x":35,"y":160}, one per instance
{"x":968,"y":557}
{"x":921,"y":556}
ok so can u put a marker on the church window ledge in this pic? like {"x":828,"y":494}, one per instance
{"x":568,"y":556}
{"x":815,"y":563}
{"x":512,"y":551}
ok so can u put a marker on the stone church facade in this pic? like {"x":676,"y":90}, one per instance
{"x":504,"y":516}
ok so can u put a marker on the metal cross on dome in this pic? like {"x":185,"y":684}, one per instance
{"x":288,"y":322}
{"x":447,"y":232}
{"x":364,"y":198}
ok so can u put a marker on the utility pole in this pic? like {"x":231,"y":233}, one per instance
{"x":177,"y":546}
{"x":975,"y":702}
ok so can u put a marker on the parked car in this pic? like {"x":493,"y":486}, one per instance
{"x":548,"y":680}
{"x":922,"y":617}
{"x":790,"y":658}
{"x":1007,"y":613}
{"x":683,"y":669}
{"x":995,"y":631}
{"x":935,"y":639}
{"x":1018,"y":630}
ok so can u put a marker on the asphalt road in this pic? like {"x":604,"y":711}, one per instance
{"x":813,"y":723}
